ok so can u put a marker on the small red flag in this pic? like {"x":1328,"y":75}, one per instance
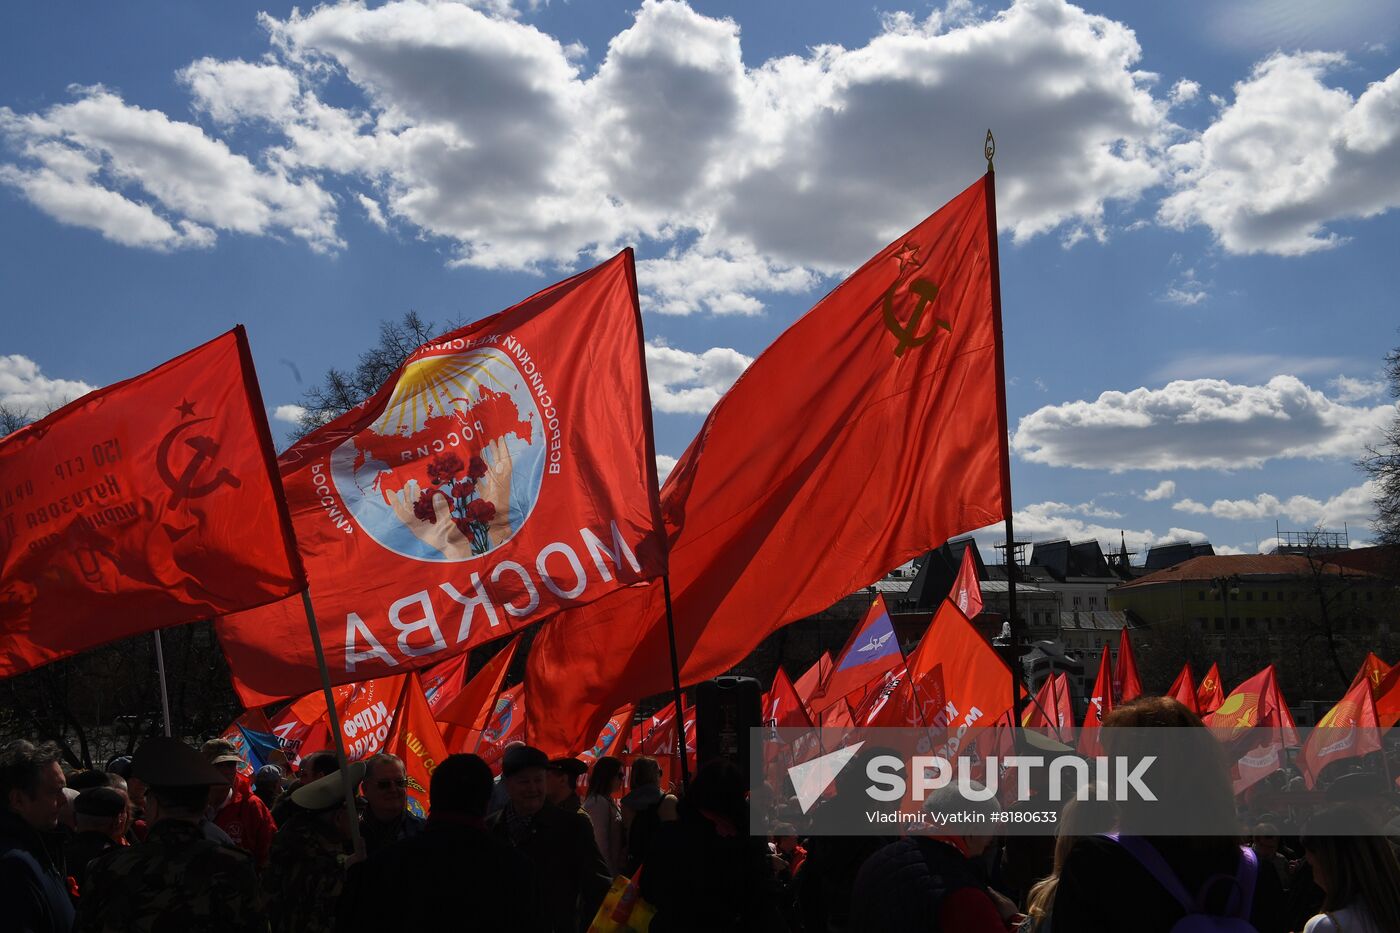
{"x":443,"y":682}
{"x":1211,"y":693}
{"x":782,"y":708}
{"x":146,"y":504}
{"x":1388,"y":698}
{"x":612,"y":737}
{"x":1100,"y":705}
{"x":1126,"y":685}
{"x":967,"y":592}
{"x":415,"y":738}
{"x":505,"y":725}
{"x":1183,"y":689}
{"x":782,"y":505}
{"x":1256,"y":704}
{"x":494,"y":479}
{"x":466,"y":716}
{"x":955,"y":678}
{"x":1349,"y":730}
{"x":813,"y":679}
{"x":1373,"y":671}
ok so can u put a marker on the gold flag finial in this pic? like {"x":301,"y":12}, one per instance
{"x":989,"y":149}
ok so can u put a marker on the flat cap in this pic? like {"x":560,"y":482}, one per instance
{"x":167,"y":762}
{"x":520,"y":757}
{"x":100,"y":801}
{"x":570,"y":766}
{"x":327,"y":793}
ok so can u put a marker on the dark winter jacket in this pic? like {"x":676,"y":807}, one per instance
{"x":33,"y":880}
{"x":919,"y":884}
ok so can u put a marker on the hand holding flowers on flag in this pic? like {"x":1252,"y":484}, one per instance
{"x":494,"y":488}
{"x":428,"y":514}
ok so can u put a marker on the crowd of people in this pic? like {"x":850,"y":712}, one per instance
{"x":178,"y":838}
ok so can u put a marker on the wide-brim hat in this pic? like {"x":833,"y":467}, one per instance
{"x":327,"y":793}
{"x":167,"y":762}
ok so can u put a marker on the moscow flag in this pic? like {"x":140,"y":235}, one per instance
{"x":505,"y":471}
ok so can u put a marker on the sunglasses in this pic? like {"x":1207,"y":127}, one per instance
{"x":391,"y":783}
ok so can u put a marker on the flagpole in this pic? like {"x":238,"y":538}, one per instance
{"x":676,"y":683}
{"x":164,"y":693}
{"x":334,"y":717}
{"x":989,"y":151}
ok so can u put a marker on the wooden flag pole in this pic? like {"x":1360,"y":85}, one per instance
{"x":350,"y":810}
{"x":989,"y":151}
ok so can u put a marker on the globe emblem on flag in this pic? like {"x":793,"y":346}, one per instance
{"x":451,"y":469}
{"x":499,"y":722}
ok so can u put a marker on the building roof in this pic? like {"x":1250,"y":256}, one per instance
{"x":1162,"y":556}
{"x":1205,"y":569}
{"x":898,"y":585}
{"x":1098,"y":620}
{"x":1001,"y":586}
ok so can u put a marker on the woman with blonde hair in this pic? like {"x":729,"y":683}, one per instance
{"x":1078,"y":818}
{"x":1357,"y":871}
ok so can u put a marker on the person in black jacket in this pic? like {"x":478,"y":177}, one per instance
{"x":454,"y":869}
{"x":704,"y":871}
{"x":573,"y":877}
{"x":34,"y":892}
{"x":101,"y":814}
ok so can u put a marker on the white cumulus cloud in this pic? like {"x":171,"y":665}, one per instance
{"x":681,"y":381}
{"x":664,"y":465}
{"x":1163,"y":490}
{"x":1199,"y":424}
{"x":26,"y":390}
{"x":291,"y":414}
{"x":1291,"y":155}
{"x":1353,"y":505}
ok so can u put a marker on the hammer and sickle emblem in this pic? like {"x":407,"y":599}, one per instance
{"x":205,"y":449}
{"x":909,"y":336}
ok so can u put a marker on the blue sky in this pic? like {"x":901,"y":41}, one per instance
{"x":1198,"y":203}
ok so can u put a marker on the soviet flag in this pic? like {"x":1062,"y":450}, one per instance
{"x":148,"y":503}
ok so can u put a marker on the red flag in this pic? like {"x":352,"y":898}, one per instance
{"x":877,"y":694}
{"x":415,"y":738}
{"x":1183,"y":689}
{"x":444,"y":681}
{"x":1211,"y":693}
{"x":1052,"y":708}
{"x":782,"y":708}
{"x":613,"y":736}
{"x":1257,"y":703}
{"x":1388,"y":698}
{"x":1349,"y":730}
{"x":871,"y":650}
{"x":1100,"y":705}
{"x":837,"y":716}
{"x":494,"y":479}
{"x":956,"y":678}
{"x":466,"y":716}
{"x":146,"y":504}
{"x":506,"y":725}
{"x":781,"y":505}
{"x":813,"y":679}
{"x":1126,"y":685}
{"x":1373,"y":671}
{"x":967,"y":592}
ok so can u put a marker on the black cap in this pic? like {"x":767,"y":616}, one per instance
{"x":100,"y":801}
{"x":166,"y":762}
{"x":520,"y":757}
{"x":570,"y":766}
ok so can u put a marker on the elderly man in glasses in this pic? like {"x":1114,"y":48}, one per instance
{"x":387,"y":819}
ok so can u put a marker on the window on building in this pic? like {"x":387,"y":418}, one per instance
{"x":1200,"y":623}
{"x":1219,"y":624}
{"x":1234,"y":625}
{"x":1077,"y":601}
{"x":1201,"y":596}
{"x":1264,"y":596}
{"x":1369,"y":596}
{"x":1249,"y":596}
{"x":1249,"y":624}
